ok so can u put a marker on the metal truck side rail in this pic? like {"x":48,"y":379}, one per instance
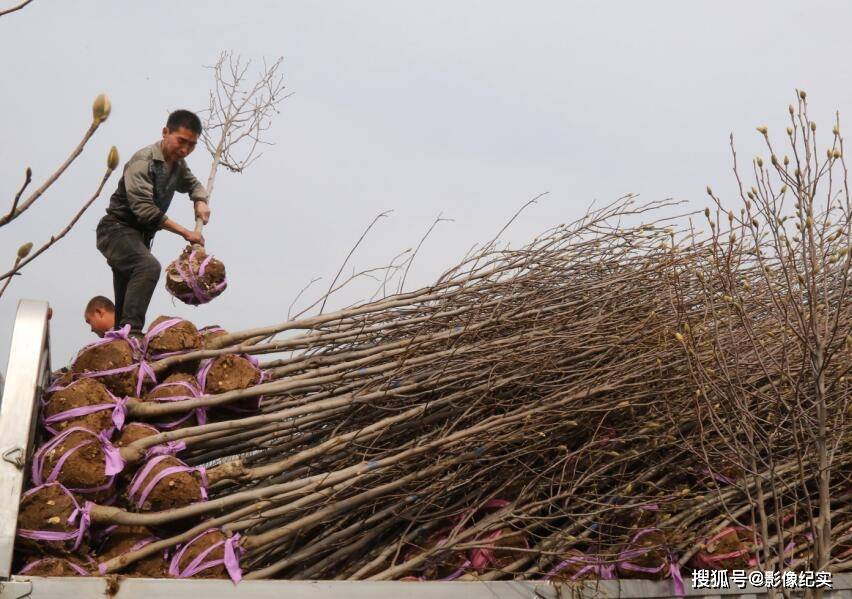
{"x":26,"y":375}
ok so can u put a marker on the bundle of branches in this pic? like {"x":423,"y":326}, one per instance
{"x":622,"y":397}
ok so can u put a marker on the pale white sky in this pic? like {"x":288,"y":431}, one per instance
{"x":463,"y":108}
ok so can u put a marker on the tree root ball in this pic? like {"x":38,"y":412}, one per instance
{"x":187,"y":553}
{"x":127,"y":539}
{"x":114,"y":354}
{"x":231,"y":373}
{"x":179,"y":337}
{"x":82,"y":470}
{"x":170,"y":491}
{"x":47,"y":509}
{"x":499,"y":549}
{"x":195,"y":277}
{"x":575,"y":565}
{"x":731,"y":549}
{"x":133,"y":431}
{"x":647,"y":549}
{"x":177,"y":387}
{"x":442,"y":564}
{"x":210,"y":333}
{"x":80,"y":394}
{"x":55,"y":566}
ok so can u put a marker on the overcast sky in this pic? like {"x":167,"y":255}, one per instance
{"x":468,"y":109}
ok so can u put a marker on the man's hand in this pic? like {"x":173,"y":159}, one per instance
{"x":202,"y":211}
{"x":193,"y":237}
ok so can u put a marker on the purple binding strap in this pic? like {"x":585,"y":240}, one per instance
{"x":77,"y":568}
{"x":118,"y":407}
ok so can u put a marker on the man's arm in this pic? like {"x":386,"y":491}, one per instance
{"x":190,"y":236}
{"x":187,"y":183}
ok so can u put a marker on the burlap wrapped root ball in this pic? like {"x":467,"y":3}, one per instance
{"x":195,"y":277}
{"x":127,"y":539}
{"x":85,"y":403}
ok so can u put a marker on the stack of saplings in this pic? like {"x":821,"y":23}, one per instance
{"x":609,"y":401}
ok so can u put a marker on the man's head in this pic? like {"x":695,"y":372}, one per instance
{"x":100,"y":315}
{"x":180,"y":134}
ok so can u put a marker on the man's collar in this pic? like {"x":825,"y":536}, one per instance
{"x":157,"y":152}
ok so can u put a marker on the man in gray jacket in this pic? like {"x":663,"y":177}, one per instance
{"x":137,"y":210}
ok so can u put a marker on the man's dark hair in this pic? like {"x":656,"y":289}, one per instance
{"x":184,"y":118}
{"x":99,"y":301}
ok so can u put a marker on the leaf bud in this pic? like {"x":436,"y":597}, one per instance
{"x":24,"y":250}
{"x":112,"y":158}
{"x":101,"y":108}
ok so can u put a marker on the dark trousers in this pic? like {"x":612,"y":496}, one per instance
{"x":135,"y":271}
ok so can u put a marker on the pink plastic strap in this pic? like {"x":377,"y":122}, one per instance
{"x":170,"y":448}
{"x":119,"y":408}
{"x":232,"y":558}
{"x":78,"y":569}
{"x":114,"y":462}
{"x":144,"y":371}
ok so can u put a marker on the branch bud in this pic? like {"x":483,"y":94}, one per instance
{"x":709,"y":191}
{"x":813,"y":126}
{"x":24,"y":250}
{"x":790,"y":108}
{"x":112,"y":158}
{"x":101,"y":108}
{"x":802,"y":94}
{"x":762,"y":129}
{"x":759,"y":161}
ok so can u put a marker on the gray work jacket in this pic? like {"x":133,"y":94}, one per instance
{"x":145,"y":190}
